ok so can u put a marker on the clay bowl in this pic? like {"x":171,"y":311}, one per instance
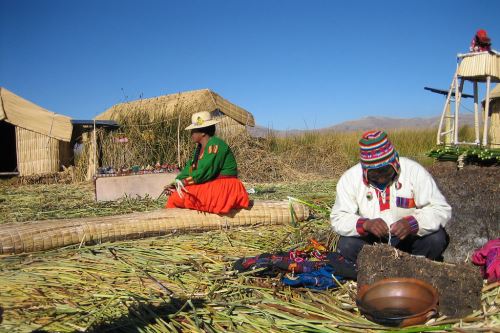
{"x":398,"y":302}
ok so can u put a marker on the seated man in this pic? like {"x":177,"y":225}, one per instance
{"x":389,"y":199}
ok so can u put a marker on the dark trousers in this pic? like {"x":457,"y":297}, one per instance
{"x":431,"y":246}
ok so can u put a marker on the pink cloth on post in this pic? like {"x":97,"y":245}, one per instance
{"x":489,"y":257}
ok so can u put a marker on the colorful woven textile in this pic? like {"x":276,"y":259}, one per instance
{"x":405,"y":202}
{"x":320,"y":279}
{"x":297,"y":262}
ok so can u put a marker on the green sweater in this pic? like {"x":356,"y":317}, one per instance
{"x":217,"y":159}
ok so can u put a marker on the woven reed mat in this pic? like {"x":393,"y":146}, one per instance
{"x":50,"y":234}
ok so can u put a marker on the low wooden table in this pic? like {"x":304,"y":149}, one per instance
{"x":110,"y":188}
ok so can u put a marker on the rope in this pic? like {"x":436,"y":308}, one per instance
{"x":213,"y":99}
{"x":50,"y":131}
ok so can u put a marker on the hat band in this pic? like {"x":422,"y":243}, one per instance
{"x":199,"y":121}
{"x":380,"y":162}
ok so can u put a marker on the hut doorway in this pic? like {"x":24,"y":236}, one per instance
{"x":8,"y":162}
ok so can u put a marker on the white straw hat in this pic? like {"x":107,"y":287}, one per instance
{"x":201,"y":119}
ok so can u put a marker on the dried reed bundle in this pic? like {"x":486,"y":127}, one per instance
{"x":179,"y":282}
{"x":185,"y":283}
{"x":45,"y":235}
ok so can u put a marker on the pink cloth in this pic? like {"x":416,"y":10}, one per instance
{"x":489,"y":258}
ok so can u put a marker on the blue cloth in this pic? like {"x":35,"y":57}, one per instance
{"x":320,"y":279}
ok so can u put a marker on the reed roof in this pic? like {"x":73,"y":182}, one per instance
{"x":495,"y":92}
{"x":25,"y":114}
{"x":184,"y":102}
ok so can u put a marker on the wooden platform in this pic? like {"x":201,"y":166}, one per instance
{"x":133,"y":186}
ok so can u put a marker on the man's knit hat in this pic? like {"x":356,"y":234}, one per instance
{"x":376,"y":151}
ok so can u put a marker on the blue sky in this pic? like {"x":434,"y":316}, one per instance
{"x":293,"y":64}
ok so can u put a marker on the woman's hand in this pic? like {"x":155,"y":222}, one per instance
{"x":169,"y":189}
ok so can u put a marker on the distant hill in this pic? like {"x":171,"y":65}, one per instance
{"x":368,"y":123}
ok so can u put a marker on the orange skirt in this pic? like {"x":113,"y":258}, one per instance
{"x":217,"y":196}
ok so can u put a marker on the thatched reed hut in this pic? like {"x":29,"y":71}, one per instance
{"x":33,"y":140}
{"x":233,"y":118}
{"x":152,"y":129}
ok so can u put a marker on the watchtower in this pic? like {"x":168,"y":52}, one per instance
{"x":477,"y":67}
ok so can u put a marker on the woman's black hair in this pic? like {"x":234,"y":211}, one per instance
{"x":210,"y":131}
{"x":196,"y":156}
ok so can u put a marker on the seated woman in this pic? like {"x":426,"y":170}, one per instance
{"x":209,"y":182}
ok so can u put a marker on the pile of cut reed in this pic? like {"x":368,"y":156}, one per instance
{"x":41,"y":202}
{"x":186,"y":283}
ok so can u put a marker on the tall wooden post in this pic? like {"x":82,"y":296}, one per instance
{"x":458,"y":93}
{"x":447,"y":126}
{"x":486,"y":111}
{"x":476,"y":114}
{"x":88,"y":139}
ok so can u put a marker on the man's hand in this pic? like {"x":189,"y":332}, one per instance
{"x":376,"y":227}
{"x":401,"y":229}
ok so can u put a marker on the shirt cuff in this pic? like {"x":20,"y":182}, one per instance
{"x":359,"y":226}
{"x":413,"y":224}
{"x":188,"y":181}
